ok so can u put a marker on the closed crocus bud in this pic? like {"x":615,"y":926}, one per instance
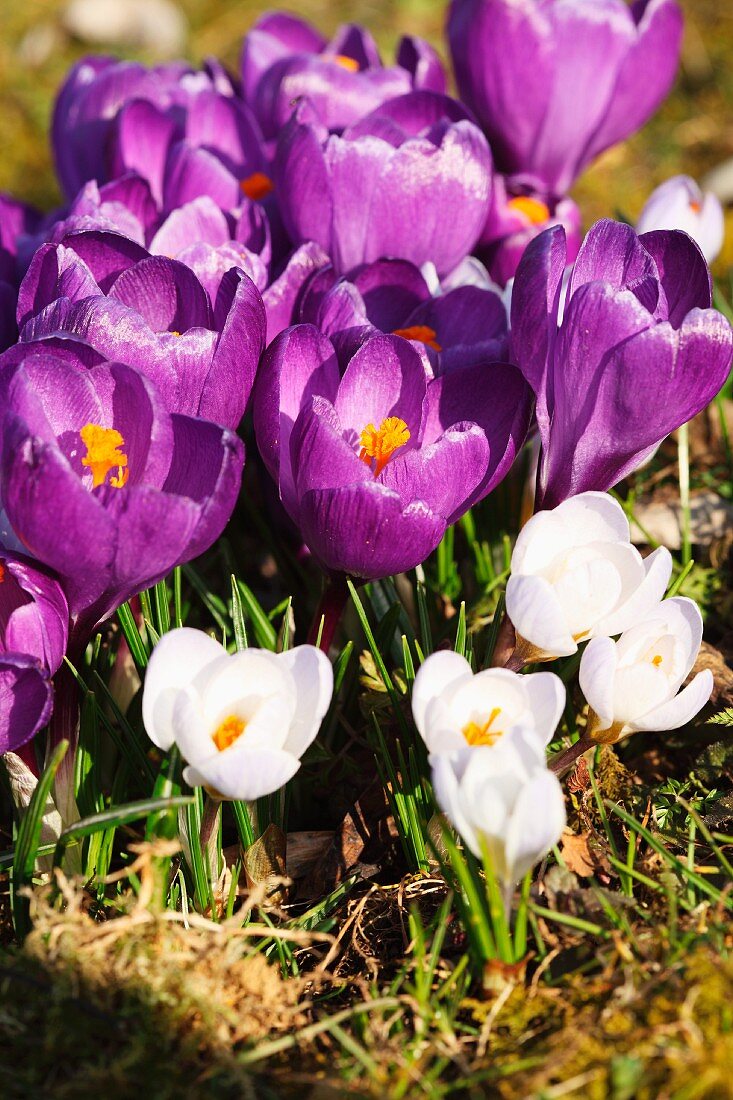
{"x":383,"y":186}
{"x":632,"y":684}
{"x":503,"y":802}
{"x":452,"y":707}
{"x":636,"y":353}
{"x":575,"y":575}
{"x":679,"y":203}
{"x":242,"y":722}
{"x":555,"y":82}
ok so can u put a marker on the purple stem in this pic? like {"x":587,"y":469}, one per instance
{"x":330,"y":609}
{"x":563,"y":761}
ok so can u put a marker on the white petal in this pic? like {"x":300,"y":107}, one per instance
{"x":313,"y":675}
{"x":243,"y":683}
{"x":586,"y":518}
{"x":537,"y":616}
{"x":249,"y":775}
{"x":642,"y":601}
{"x":446,"y":771}
{"x":177,"y":658}
{"x":437,"y":672}
{"x":638,"y":689}
{"x":536,"y":823}
{"x":491,"y":689}
{"x":546,"y":693}
{"x":680,"y":710}
{"x":597,"y":673}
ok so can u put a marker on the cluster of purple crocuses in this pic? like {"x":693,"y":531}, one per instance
{"x":332,"y":236}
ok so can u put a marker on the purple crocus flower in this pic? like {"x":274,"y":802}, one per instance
{"x":103,"y":485}
{"x":638,"y":350}
{"x":465,"y":326}
{"x":284,"y":58}
{"x":384,"y":186}
{"x":372,"y":459}
{"x":113,"y":117}
{"x":34,"y":622}
{"x":516,"y":219}
{"x":555,"y":82}
{"x":152,"y":313}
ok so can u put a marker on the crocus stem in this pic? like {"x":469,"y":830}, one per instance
{"x":330,"y":610}
{"x":563,"y":761}
{"x":65,"y":727}
{"x":683,"y":454}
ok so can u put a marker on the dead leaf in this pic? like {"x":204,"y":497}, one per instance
{"x":712,"y":658}
{"x":264,"y":862}
{"x":577,"y":855}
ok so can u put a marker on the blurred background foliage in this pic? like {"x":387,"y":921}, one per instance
{"x":692,"y":133}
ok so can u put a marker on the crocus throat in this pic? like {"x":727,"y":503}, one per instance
{"x":536,"y":211}
{"x":379,"y":444}
{"x":422,"y":333}
{"x":229,"y":731}
{"x":345,"y":62}
{"x":104,"y":455}
{"x":483,"y":734}
{"x":257,"y":186}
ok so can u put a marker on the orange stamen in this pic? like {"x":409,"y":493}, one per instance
{"x":379,"y":444}
{"x":345,"y":62}
{"x":2,"y":572}
{"x":476,"y":734}
{"x":656,"y":661}
{"x":534,"y":210}
{"x":695,"y":207}
{"x":104,"y":455}
{"x":257,"y":186}
{"x":422,"y":333}
{"x":230,"y":730}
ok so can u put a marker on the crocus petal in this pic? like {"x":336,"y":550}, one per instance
{"x":658,"y":570}
{"x":313,"y":675}
{"x":681,"y":709}
{"x":597,"y":671}
{"x":537,"y":615}
{"x":436,"y":674}
{"x":165,"y":293}
{"x":537,"y":821}
{"x":590,"y":517}
{"x":177,"y":658}
{"x":280,"y":297}
{"x":385,"y":378}
{"x":26,"y":700}
{"x":444,"y":474}
{"x":546,"y":694}
{"x":258,"y":772}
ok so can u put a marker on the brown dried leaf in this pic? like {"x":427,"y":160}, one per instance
{"x":265,"y":862}
{"x":712,"y":658}
{"x":577,"y":854}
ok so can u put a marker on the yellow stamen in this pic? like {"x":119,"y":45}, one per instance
{"x":345,"y":62}
{"x":230,"y":730}
{"x":534,"y":210}
{"x":656,"y":661}
{"x":257,"y":186}
{"x":104,"y":455}
{"x":422,"y":333}
{"x":476,"y":734}
{"x":175,"y":332}
{"x":379,"y":444}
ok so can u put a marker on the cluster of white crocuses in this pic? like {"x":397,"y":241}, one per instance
{"x":576,"y":578}
{"x":241,"y":721}
{"x":486,"y":735}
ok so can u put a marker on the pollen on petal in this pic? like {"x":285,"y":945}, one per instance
{"x":257,"y":186}
{"x":536,"y":211}
{"x":422,"y":333}
{"x":345,"y":62}
{"x":481,"y":733}
{"x":229,"y":731}
{"x":379,"y":444}
{"x":104,"y":455}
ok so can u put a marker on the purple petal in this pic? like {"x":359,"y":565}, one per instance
{"x":445,"y":475}
{"x":683,"y":272}
{"x":143,"y":137}
{"x":391,"y":290}
{"x":34,"y":616}
{"x":281,"y":296}
{"x":26,"y":700}
{"x":191,"y":173}
{"x":385,"y":378}
{"x":55,"y":272}
{"x":423,"y":63}
{"x":274,"y":36}
{"x":240,"y":315}
{"x":198,"y":221}
{"x":165,"y":293}
{"x":612,"y":252}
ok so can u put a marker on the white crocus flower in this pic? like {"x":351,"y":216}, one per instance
{"x":453,"y":708}
{"x":575,"y":575}
{"x":241,"y":721}
{"x":502,"y":799}
{"x":632,"y":684}
{"x":679,"y":203}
